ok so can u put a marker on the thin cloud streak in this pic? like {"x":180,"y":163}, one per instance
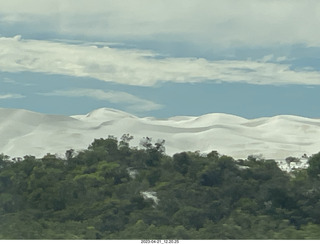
{"x":140,"y":67}
{"x":133,"y":103}
{"x":11,"y":96}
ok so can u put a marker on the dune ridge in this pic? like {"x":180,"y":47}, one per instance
{"x":29,"y":133}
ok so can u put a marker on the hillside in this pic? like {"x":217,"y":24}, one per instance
{"x":113,"y":191}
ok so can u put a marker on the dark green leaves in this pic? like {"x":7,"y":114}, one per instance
{"x":112,"y":191}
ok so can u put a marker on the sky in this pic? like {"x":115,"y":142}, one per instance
{"x":161,"y":58}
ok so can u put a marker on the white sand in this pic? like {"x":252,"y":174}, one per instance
{"x":28,"y":133}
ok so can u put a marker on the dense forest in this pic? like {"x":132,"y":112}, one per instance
{"x":113,"y":191}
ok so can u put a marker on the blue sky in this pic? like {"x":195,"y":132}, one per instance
{"x":161,"y":58}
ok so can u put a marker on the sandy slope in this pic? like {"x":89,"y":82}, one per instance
{"x":24,"y":132}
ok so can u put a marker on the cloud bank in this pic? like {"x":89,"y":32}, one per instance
{"x":140,"y":67}
{"x":214,"y":22}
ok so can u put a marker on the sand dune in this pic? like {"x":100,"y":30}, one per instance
{"x":28,"y":133}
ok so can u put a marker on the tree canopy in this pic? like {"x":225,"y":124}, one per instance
{"x":112,"y":191}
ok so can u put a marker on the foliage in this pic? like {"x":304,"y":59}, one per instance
{"x":112,"y":191}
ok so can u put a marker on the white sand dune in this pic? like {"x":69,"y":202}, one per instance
{"x":24,"y":132}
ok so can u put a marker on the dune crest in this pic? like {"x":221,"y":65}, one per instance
{"x":28,"y":133}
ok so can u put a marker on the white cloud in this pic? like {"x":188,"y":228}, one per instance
{"x":11,"y":96}
{"x":282,"y":58}
{"x":134,"y":103}
{"x":139,"y":67}
{"x":215,"y":22}
{"x":267,"y":58}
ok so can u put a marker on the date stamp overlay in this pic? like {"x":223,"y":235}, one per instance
{"x":160,"y":241}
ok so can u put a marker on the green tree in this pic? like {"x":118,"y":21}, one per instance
{"x":314,"y":166}
{"x":4,"y":161}
{"x":181,"y":162}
